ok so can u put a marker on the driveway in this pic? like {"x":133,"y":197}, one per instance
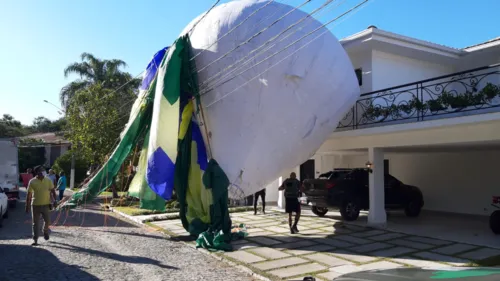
{"x":327,"y":248}
{"x":88,"y":244}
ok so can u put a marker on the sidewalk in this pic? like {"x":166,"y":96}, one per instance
{"x":327,"y":248}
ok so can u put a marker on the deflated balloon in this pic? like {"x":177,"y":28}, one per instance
{"x":270,"y":98}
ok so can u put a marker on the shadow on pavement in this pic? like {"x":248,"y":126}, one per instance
{"x":23,"y":262}
{"x":19,"y":223}
{"x":142,"y":235}
{"x":113,"y":256}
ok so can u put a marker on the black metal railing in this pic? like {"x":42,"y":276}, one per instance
{"x":463,"y":93}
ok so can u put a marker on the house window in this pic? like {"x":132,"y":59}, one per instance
{"x":359,"y":74}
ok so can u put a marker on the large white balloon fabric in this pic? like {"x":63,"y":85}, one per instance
{"x":276,"y":114}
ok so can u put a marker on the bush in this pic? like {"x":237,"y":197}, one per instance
{"x":172,"y":204}
{"x":63,"y":164}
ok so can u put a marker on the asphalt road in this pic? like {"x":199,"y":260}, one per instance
{"x":88,"y":244}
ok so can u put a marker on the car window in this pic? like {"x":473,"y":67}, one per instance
{"x":390,"y":180}
{"x":338,"y":175}
{"x":358,"y":175}
{"x":325,"y":175}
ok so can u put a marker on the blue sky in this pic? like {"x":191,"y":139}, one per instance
{"x":40,"y":38}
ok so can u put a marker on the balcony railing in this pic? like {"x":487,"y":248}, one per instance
{"x":463,"y":93}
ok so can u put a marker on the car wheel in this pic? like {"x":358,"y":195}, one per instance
{"x":495,"y":222}
{"x":349,"y":211}
{"x":13,"y":204}
{"x":6,"y":215}
{"x":413,"y":208}
{"x":319,"y":211}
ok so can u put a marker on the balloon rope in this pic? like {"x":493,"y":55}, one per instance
{"x":267,"y":58}
{"x":204,"y":124}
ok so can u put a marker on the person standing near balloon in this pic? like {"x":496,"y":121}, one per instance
{"x":262,"y":195}
{"x":292,"y":188}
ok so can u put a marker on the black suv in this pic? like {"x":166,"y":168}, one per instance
{"x":347,"y":189}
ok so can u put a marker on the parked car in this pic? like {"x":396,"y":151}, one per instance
{"x":325,"y":176}
{"x":348,"y":190}
{"x":4,"y":206}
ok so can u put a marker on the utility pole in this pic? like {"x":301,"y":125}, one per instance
{"x":72,"y":179}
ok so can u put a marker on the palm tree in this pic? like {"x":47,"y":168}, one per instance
{"x":94,"y":71}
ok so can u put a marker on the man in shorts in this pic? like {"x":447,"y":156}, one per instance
{"x":292,"y":188}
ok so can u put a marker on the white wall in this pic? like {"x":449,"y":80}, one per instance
{"x":479,"y":59}
{"x":392,"y":70}
{"x":459,"y":182}
{"x":363,"y":60}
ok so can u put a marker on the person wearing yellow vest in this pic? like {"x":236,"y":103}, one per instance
{"x":40,"y":190}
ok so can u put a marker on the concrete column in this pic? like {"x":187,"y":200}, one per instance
{"x":281,"y":195}
{"x":377,"y":216}
{"x":48,"y":149}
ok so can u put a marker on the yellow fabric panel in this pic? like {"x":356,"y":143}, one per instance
{"x":186,"y":119}
{"x":167,"y":130}
{"x":198,"y":198}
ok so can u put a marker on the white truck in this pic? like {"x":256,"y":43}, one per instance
{"x":9,"y":170}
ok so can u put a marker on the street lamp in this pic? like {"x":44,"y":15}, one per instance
{"x":59,"y":110}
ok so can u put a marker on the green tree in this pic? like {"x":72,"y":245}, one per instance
{"x":93,"y":71}
{"x":9,"y":127}
{"x":44,"y":125}
{"x":63,"y":164}
{"x":96,"y":116}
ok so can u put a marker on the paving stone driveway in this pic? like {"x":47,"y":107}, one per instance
{"x":326,"y":248}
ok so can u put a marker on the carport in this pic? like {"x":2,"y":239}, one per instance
{"x":454,"y":162}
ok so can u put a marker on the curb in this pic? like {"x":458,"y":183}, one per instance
{"x":206,"y":252}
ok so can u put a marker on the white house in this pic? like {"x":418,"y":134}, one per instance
{"x":428,"y":113}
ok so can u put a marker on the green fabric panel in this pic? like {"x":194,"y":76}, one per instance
{"x":136,"y":187}
{"x":215,"y":179}
{"x":105,"y":176}
{"x":198,"y":198}
{"x":174,"y":60}
{"x":183,"y":160}
{"x":181,"y":175}
{"x":202,"y":216}
{"x":157,"y":204}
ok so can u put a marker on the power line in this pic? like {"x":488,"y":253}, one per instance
{"x":253,"y":36}
{"x":241,"y":65}
{"x":202,"y":17}
{"x":229,"y":32}
{"x":238,"y":63}
{"x":288,"y":46}
{"x":239,"y":87}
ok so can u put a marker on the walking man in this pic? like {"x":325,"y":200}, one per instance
{"x":40,"y":190}
{"x":292,"y":188}
{"x":61,"y":185}
{"x":262,"y":194}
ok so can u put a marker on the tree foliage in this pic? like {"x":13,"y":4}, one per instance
{"x":30,"y":153}
{"x":9,"y":127}
{"x":63,"y":164}
{"x":94,"y":71}
{"x":96,"y":116}
{"x":44,"y":125}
